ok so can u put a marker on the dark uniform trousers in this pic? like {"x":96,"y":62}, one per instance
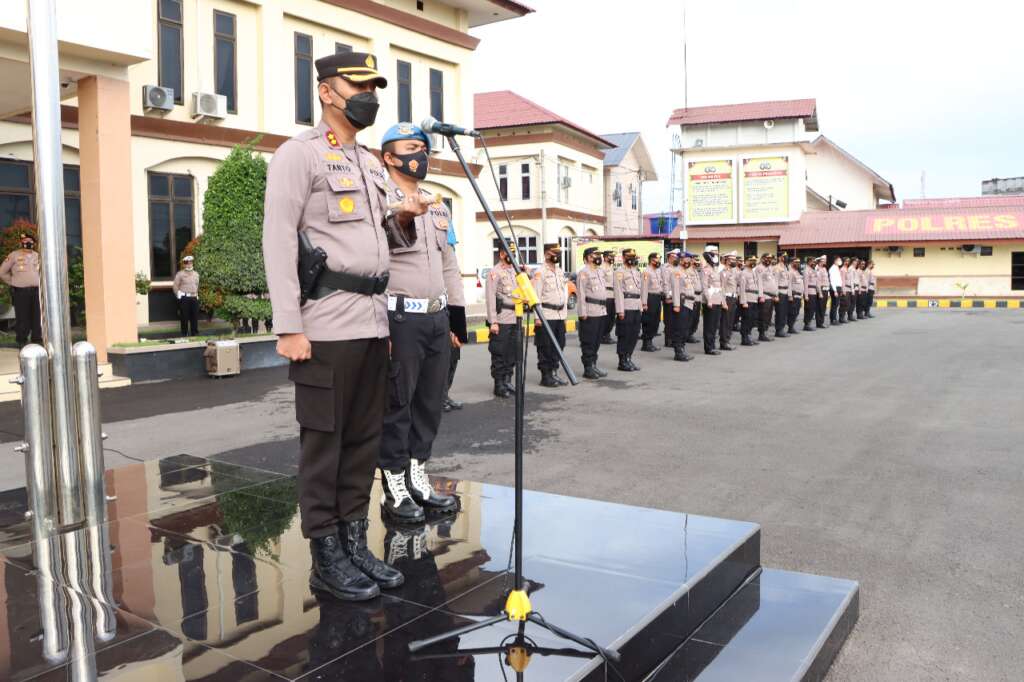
{"x":844,"y":306}
{"x":694,"y":321}
{"x":748,"y":316}
{"x":712,"y":318}
{"x":862,"y":304}
{"x":610,"y":316}
{"x":627,"y":331}
{"x":420,"y":361}
{"x":591,"y":330}
{"x":833,"y":308}
{"x":188,"y":311}
{"x":811,"y":309}
{"x":822,"y":309}
{"x":781,"y":314}
{"x":870,"y":303}
{"x":26,"y":315}
{"x":670,"y":323}
{"x":547,"y":358}
{"x":726,"y":322}
{"x":340,"y":399}
{"x":453,"y":364}
{"x":681,"y":327}
{"x":502,"y":347}
{"x":651,"y":318}
{"x":766,"y":315}
{"x":794,"y":311}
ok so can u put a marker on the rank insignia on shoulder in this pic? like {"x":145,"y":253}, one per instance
{"x":332,"y":138}
{"x":347,"y":205}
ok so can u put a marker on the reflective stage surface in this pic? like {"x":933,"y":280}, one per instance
{"x":201,"y":573}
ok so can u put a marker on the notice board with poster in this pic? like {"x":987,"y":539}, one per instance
{"x":711,"y":192}
{"x":764,"y":189}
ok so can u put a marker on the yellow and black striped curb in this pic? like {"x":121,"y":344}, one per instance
{"x":483,"y":335}
{"x":949,"y":303}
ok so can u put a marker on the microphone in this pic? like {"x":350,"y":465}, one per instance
{"x":432,"y":125}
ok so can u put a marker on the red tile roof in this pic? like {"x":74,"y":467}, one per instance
{"x":752,"y":111}
{"x":504,"y":109}
{"x":964,"y":202}
{"x":959,"y":221}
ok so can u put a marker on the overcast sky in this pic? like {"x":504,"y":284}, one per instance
{"x":904,"y":85}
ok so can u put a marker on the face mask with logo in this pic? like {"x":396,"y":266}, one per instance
{"x":360,"y":109}
{"x":414,"y":165}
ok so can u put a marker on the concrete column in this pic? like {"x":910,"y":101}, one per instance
{"x":104,"y":126}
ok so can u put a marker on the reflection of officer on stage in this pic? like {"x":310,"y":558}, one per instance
{"x":324,"y":186}
{"x":186,"y":290}
{"x":425,"y":276}
{"x":20,"y":270}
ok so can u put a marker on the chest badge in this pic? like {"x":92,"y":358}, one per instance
{"x":346,"y":205}
{"x":347,"y":182}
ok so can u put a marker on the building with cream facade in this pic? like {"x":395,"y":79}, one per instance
{"x":138,"y":158}
{"x":760,"y":178}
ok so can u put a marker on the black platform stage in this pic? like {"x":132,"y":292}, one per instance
{"x":207,"y":580}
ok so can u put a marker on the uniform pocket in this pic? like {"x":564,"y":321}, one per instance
{"x":396,"y":386}
{"x":314,"y":394}
{"x":345,"y":201}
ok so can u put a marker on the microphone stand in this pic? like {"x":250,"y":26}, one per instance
{"x":517,"y":605}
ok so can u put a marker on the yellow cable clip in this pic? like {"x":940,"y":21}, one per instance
{"x":517,"y":606}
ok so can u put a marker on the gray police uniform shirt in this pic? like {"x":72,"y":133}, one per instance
{"x":626,"y":288}
{"x":590,"y":284}
{"x":429,"y":268}
{"x":749,"y":287}
{"x":501,"y":284}
{"x":186,"y":282}
{"x":21,"y":268}
{"x":552,"y":288}
{"x":714,"y":293}
{"x":668,"y":275}
{"x":810,"y":281}
{"x":337,"y":194}
{"x":652,"y":283}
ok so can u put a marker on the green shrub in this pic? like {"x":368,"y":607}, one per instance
{"x":229,"y":255}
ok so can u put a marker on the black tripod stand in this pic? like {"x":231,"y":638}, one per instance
{"x":517,"y":605}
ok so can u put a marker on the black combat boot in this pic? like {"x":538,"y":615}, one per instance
{"x":547,"y":379}
{"x":397,"y":504}
{"x":424,"y":494}
{"x":633,"y":366}
{"x":624,"y":363}
{"x":726,"y":346}
{"x":600,"y":372}
{"x":607,"y":339}
{"x":590,"y":372}
{"x":692,"y":339}
{"x":746,"y":341}
{"x":763,"y":337}
{"x":808,"y":328}
{"x":509,"y":386}
{"x":500,"y":389}
{"x":648,"y":346}
{"x":680,"y":354}
{"x":558,"y":378}
{"x":781,"y":335}
{"x":333,"y":572}
{"x":353,"y":534}
{"x":792,"y":330}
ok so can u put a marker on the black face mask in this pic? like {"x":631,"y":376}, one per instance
{"x":360,"y":109}
{"x":554,"y":257}
{"x":632,"y":262}
{"x":414,"y":165}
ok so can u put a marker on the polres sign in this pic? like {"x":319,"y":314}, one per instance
{"x":991,"y":224}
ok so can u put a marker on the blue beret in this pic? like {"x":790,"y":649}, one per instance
{"x":405,"y":131}
{"x":687,"y":254}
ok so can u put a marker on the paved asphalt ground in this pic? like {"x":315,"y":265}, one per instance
{"x":887,"y":451}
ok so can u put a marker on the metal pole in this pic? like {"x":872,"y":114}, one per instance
{"x":53,"y":599}
{"x":89,"y":428}
{"x":49,"y":169}
{"x":38,"y":447}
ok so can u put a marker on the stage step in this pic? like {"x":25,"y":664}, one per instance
{"x":779,"y":627}
{"x":10,"y":391}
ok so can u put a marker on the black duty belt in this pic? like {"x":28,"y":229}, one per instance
{"x":798,"y":294}
{"x":625,"y":295}
{"x":504,"y":305}
{"x":595,"y":301}
{"x":753,"y":291}
{"x":331,"y":281}
{"x":552,"y":306}
{"x":689,"y":298}
{"x":783,"y":288}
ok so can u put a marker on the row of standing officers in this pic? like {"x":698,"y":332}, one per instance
{"x":730,"y":294}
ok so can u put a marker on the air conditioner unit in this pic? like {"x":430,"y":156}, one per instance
{"x":566,"y":182}
{"x":157,"y":98}
{"x":699,"y":142}
{"x":970,"y":248}
{"x":894,"y":249}
{"x":436,"y":143}
{"x":209,"y":105}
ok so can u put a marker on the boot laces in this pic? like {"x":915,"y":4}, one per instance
{"x":418,"y":476}
{"x":396,"y":485}
{"x":398,"y":547}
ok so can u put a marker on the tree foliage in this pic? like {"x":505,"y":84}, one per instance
{"x":229,"y":254}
